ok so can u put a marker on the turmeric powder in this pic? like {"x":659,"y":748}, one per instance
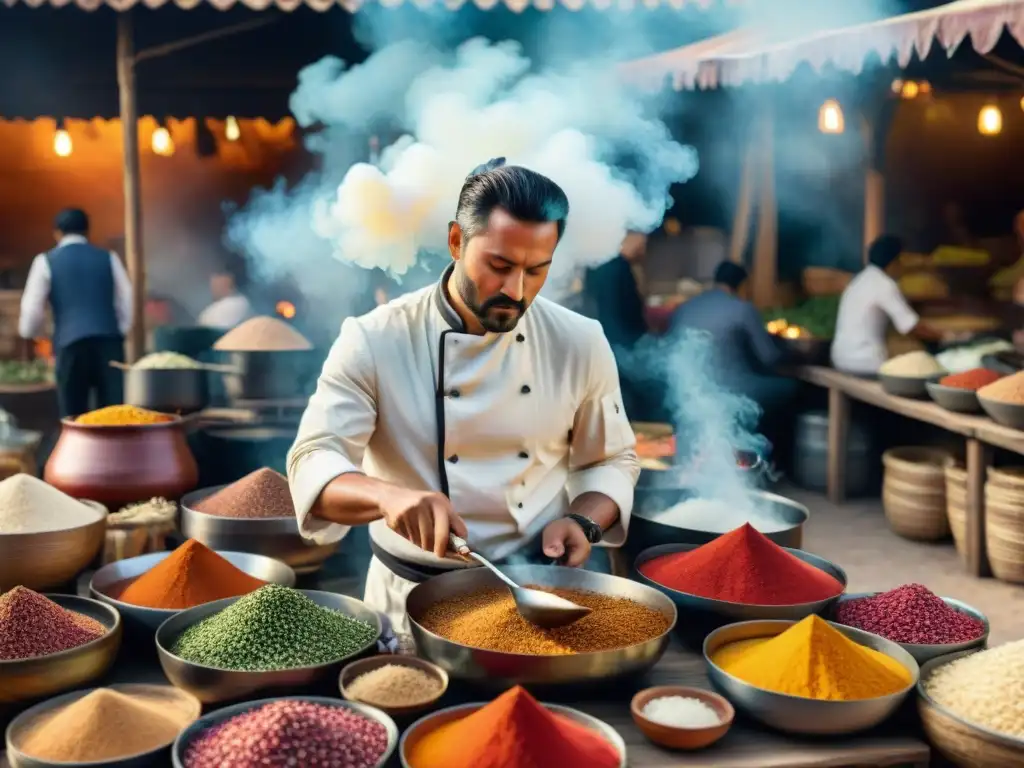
{"x":122,"y":415}
{"x":814,"y":660}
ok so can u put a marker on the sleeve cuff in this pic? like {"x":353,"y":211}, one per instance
{"x":611,"y":482}
{"x":310,"y":477}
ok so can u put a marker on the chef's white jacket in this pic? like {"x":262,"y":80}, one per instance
{"x":513,"y":426}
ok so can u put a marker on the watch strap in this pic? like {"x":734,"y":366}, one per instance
{"x":592,"y":530}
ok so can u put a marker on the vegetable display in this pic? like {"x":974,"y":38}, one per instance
{"x":817,"y":316}
{"x":21,"y":372}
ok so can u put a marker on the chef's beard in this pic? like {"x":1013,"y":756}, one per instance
{"x":491,"y":321}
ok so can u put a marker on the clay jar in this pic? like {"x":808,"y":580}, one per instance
{"x":122,"y":464}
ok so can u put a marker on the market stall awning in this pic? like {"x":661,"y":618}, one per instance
{"x":354,"y":5}
{"x":757,"y":55}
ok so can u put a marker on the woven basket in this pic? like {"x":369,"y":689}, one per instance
{"x":956,"y":505}
{"x":1004,"y":538}
{"x":914,"y":492}
{"x":964,"y":745}
{"x":1010,"y":478}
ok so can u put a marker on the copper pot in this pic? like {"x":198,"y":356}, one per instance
{"x":122,"y":464}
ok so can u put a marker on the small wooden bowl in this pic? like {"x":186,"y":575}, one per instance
{"x":682,"y":738}
{"x":362,"y":666}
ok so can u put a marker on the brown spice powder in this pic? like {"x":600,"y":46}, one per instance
{"x":260,"y":494}
{"x":488,"y":619}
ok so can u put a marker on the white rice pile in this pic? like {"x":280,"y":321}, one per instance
{"x":912,"y":365}
{"x":716,"y":516}
{"x":985,"y":688}
{"x":28,"y":505}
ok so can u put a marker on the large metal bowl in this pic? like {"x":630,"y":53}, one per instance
{"x":186,"y":737}
{"x":646,"y":530}
{"x":276,"y":537}
{"x":956,"y":399}
{"x":212,"y":685}
{"x":907,"y":386}
{"x":499,"y":669}
{"x":923,"y":653}
{"x":109,"y":582}
{"x":36,"y":678}
{"x":157,"y":755}
{"x":741,"y":611}
{"x":1007,"y":414}
{"x":796,"y":714}
{"x":49,"y":559}
{"x":435,"y":720}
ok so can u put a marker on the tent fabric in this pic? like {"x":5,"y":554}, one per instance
{"x":759,"y":56}
{"x":352,"y":5}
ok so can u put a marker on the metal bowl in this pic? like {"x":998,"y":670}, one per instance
{"x":186,"y":737}
{"x":110,"y":580}
{"x":741,"y":611}
{"x":15,"y":730}
{"x":276,"y":537}
{"x":907,"y":386}
{"x":359,"y":668}
{"x":1007,"y":414}
{"x":647,"y":530}
{"x":167,"y":390}
{"x":796,"y":714}
{"x":807,"y":350}
{"x":41,"y":676}
{"x":51,"y":558}
{"x":212,"y":685}
{"x":954,"y":399}
{"x":923,"y":653}
{"x":435,"y":720}
{"x":499,"y":669}
{"x":963,"y":742}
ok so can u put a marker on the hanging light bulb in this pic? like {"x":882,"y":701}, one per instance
{"x":897,"y":86}
{"x":910,"y":90}
{"x":990,"y":120}
{"x":232,"y":131}
{"x":925,"y":87}
{"x":62,"y":145}
{"x":830,"y":117}
{"x":163,"y":144}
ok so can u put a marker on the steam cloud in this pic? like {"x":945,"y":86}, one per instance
{"x":578,"y":126}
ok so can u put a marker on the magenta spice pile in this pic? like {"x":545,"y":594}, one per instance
{"x":910,"y":614}
{"x":291,"y":732}
{"x":32,"y":625}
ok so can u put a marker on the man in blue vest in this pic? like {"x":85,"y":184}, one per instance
{"x":90,"y":295}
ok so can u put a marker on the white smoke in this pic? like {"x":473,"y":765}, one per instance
{"x":458,"y":110}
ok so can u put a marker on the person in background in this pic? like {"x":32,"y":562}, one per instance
{"x":868,"y":304}
{"x":745,"y":354}
{"x":90,"y":295}
{"x":229,"y":307}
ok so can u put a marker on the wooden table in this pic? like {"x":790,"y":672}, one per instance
{"x":980,"y":434}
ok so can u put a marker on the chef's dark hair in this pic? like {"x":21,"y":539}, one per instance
{"x":885,"y":250}
{"x":731,"y":274}
{"x":525,"y":194}
{"x":72,"y":221}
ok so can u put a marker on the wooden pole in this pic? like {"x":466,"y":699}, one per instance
{"x":132,"y":185}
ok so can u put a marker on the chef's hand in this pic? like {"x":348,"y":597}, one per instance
{"x":423,"y":517}
{"x":565,"y":539}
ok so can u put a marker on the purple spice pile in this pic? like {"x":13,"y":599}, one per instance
{"x":910,"y":614}
{"x":291,"y":732}
{"x":31,"y":625}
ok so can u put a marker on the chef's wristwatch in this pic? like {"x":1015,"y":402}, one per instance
{"x":591,"y":530}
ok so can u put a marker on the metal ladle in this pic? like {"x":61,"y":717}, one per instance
{"x":541,"y":608}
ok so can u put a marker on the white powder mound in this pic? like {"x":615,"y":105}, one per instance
{"x":28,"y":505}
{"x":984,"y":688}
{"x":714,"y":516}
{"x":913,"y":365}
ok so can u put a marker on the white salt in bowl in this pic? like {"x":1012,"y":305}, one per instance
{"x":681,"y":737}
{"x":359,"y":668}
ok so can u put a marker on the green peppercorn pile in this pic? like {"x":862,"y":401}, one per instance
{"x":273,"y":628}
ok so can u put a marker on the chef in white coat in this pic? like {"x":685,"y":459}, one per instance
{"x":472,"y":406}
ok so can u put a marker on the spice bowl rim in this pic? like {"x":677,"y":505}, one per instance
{"x":66,"y":699}
{"x":217,"y":716}
{"x":788,"y":712}
{"x":189,"y":500}
{"x":359,"y":667}
{"x":174,"y":420}
{"x":925,"y":652}
{"x":928,"y":669}
{"x":98,"y":506}
{"x":712,"y":604}
{"x":58,"y":597}
{"x":656,"y":731}
{"x":461,"y":711}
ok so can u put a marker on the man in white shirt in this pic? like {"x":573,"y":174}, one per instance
{"x":869,"y":303}
{"x":472,"y":406}
{"x":91,"y":297}
{"x":229,"y":307}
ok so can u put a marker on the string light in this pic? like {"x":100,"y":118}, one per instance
{"x":897,"y":86}
{"x":830,"y":117}
{"x":62,"y":145}
{"x":162,"y":143}
{"x":990,"y":120}
{"x":232,"y":131}
{"x":910,"y":90}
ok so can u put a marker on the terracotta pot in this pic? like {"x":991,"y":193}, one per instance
{"x":119,"y":465}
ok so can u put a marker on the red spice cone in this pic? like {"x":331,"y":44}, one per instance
{"x":743,"y":566}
